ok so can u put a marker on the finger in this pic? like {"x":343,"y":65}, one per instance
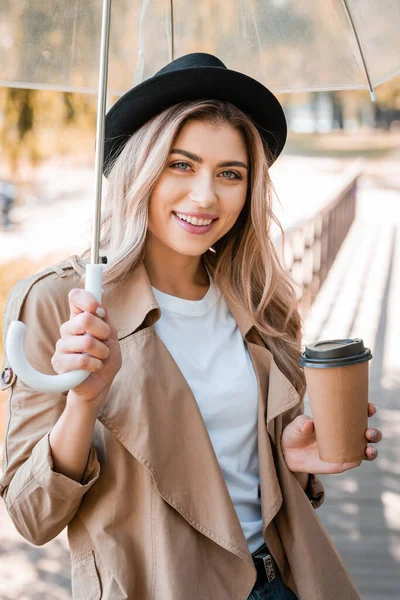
{"x":83,"y":343}
{"x":81,"y":300}
{"x":307,"y":426}
{"x":86,"y":322}
{"x":113,"y":332}
{"x":371,"y":453}
{"x":63,"y":363}
{"x":373,"y":435}
{"x":372,"y":409}
{"x":299,"y":424}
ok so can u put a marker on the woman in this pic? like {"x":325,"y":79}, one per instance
{"x":183,"y":466}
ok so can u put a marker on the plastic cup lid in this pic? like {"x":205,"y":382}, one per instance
{"x":331,"y":353}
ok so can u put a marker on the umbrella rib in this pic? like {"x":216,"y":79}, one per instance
{"x":172,"y":30}
{"x":371,"y":89}
{"x":73,"y":42}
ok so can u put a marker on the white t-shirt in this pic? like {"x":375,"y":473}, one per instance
{"x":203,"y":338}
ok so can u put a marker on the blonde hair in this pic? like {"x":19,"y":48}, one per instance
{"x":243,"y":262}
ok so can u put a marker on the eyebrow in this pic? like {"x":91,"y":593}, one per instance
{"x":195,"y":158}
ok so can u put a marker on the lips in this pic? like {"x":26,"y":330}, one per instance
{"x":196,"y":229}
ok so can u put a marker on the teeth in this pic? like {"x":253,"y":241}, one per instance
{"x":194,"y":220}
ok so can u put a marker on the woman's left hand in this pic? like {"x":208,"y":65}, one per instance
{"x":300,"y":450}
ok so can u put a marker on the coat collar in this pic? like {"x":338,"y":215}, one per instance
{"x":132,"y":305}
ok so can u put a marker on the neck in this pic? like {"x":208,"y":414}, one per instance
{"x":176,"y":274}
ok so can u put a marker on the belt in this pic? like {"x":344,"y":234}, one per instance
{"x":265,"y":565}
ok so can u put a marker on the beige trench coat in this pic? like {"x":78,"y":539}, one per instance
{"x":152,"y":518}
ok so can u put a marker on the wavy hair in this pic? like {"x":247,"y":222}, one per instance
{"x":243,"y":262}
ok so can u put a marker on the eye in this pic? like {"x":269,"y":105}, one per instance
{"x":181,"y":166}
{"x":181,"y":162}
{"x":235,"y":175}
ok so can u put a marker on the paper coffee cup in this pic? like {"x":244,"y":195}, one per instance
{"x":336,"y":373}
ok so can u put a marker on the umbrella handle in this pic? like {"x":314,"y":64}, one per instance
{"x":24,"y":370}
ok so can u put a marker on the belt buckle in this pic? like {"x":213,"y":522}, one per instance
{"x":269,"y":567}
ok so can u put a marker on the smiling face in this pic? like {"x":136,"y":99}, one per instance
{"x":202,"y":190}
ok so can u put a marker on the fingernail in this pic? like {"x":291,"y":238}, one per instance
{"x":375,"y":406}
{"x":100,"y":312}
{"x":374,"y":451}
{"x":372,"y":433}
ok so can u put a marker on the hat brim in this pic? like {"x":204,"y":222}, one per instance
{"x":149,"y":98}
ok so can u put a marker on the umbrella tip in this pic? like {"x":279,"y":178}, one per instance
{"x":372,"y":94}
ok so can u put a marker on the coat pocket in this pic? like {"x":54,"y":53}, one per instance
{"x":85,"y":578}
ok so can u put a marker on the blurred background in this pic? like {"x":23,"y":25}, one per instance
{"x":337,"y":188}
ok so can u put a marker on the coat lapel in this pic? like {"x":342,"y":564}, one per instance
{"x":271,"y":495}
{"x":132,"y":304}
{"x":281,"y":394}
{"x":153,"y":413}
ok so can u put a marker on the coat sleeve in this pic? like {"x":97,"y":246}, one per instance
{"x":314,"y":488}
{"x":40,"y":501}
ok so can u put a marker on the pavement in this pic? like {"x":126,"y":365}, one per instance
{"x":360,"y":297}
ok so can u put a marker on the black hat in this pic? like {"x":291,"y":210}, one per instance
{"x":194,"y":76}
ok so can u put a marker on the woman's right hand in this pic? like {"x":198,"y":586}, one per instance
{"x":88,"y":342}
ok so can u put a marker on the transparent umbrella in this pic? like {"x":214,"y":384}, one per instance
{"x":288,"y":46}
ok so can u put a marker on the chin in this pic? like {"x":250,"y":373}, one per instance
{"x":190,"y":251}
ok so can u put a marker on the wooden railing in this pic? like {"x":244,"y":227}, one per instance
{"x":312,"y":245}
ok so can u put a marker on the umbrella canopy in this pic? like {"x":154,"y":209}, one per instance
{"x":288,"y":46}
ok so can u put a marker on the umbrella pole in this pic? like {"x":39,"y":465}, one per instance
{"x":101,"y":106}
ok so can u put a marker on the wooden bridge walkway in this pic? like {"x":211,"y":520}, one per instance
{"x":361,"y":298}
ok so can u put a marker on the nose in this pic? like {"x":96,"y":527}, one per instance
{"x":203,"y":192}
